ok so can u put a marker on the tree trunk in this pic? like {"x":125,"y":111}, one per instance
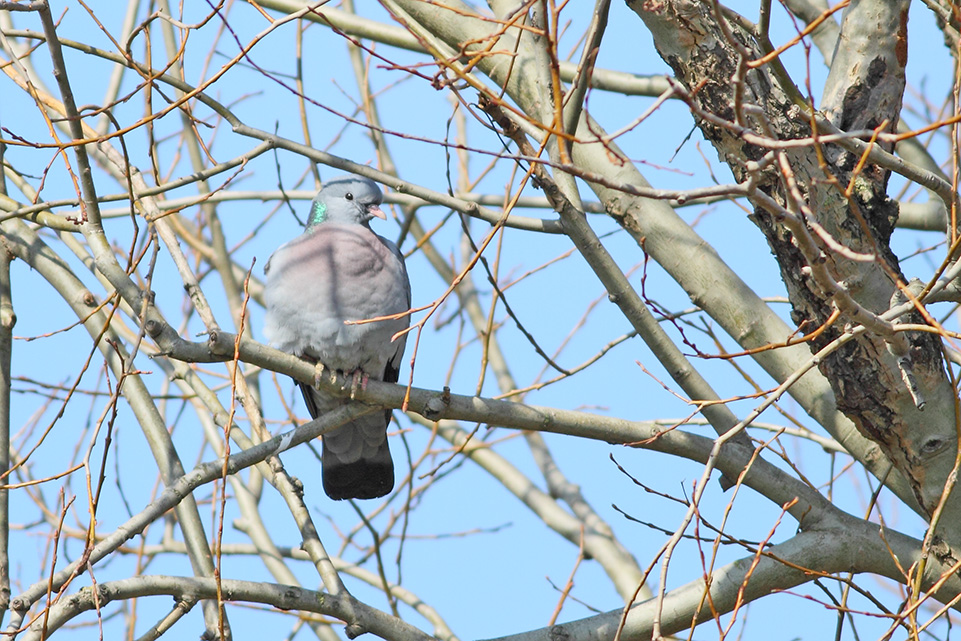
{"x":826,"y":215}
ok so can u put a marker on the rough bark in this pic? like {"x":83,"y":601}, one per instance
{"x":863,"y":92}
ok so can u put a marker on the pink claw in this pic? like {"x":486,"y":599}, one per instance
{"x":358,"y":377}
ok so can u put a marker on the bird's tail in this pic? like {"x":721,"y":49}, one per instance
{"x":356,"y":460}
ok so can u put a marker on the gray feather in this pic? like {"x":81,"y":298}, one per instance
{"x":340,"y":270}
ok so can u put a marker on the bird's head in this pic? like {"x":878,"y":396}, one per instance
{"x":346,"y":199}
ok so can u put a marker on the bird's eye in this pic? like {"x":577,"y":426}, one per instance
{"x":349,"y":196}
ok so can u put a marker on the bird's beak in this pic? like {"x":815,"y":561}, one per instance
{"x":376,"y":211}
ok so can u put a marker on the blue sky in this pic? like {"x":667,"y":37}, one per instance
{"x":498,"y":579}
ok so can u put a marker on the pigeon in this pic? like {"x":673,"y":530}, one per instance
{"x":339,"y":270}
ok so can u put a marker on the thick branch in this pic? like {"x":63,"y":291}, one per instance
{"x":359,"y":617}
{"x":855,"y":547}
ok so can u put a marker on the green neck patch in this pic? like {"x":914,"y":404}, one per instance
{"x":318,"y":214}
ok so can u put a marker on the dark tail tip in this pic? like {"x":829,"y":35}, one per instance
{"x":362,"y":479}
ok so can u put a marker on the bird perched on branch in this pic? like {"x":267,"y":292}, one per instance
{"x":338,"y":271}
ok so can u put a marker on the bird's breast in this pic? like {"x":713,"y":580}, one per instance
{"x":336,"y":274}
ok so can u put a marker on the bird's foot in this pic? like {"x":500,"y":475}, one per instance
{"x":359,"y":378}
{"x":318,"y":374}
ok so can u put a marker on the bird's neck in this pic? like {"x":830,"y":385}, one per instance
{"x":318,"y":215}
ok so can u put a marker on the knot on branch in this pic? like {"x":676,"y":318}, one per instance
{"x":558,"y":633}
{"x":437,"y":406}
